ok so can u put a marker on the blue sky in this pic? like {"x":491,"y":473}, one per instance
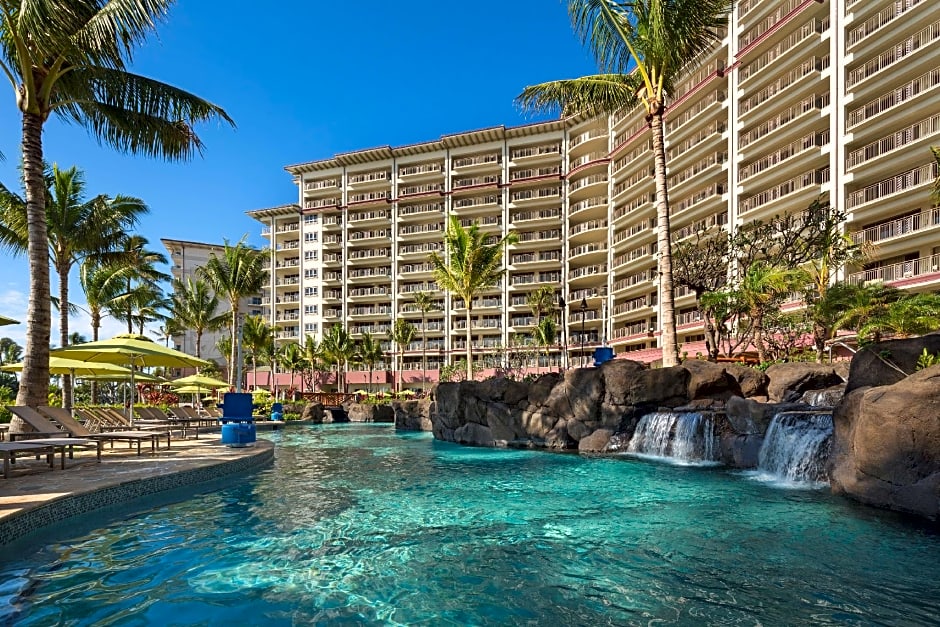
{"x":303,"y":82}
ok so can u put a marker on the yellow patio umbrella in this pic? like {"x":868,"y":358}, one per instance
{"x":76,"y":368}
{"x":200,"y":380}
{"x":5,"y":321}
{"x":132,"y":351}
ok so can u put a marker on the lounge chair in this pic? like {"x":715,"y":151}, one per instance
{"x":40,"y":421}
{"x":9,"y":451}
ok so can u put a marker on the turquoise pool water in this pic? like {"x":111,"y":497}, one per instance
{"x":362,"y":525}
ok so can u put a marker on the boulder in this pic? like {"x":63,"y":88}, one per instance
{"x":363,"y":412}
{"x":708,"y":380}
{"x":596,"y":442}
{"x":313,"y":412}
{"x":474,"y":434}
{"x":741,"y":451}
{"x":830,"y":397}
{"x":886,"y":448}
{"x":789,"y":381}
{"x":413,"y":415}
{"x":888,"y":362}
{"x":751,"y":381}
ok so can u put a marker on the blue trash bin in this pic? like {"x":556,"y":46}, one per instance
{"x":238,"y":423}
{"x":602,"y":354}
{"x":277,"y":411}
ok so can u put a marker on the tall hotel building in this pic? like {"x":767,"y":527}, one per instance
{"x":801,"y":99}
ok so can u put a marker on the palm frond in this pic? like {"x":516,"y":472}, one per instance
{"x":591,"y":95}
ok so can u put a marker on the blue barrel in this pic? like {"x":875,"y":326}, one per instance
{"x":602,"y":354}
{"x":277,"y":411}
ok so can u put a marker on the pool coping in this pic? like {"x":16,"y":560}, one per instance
{"x":111,"y":491}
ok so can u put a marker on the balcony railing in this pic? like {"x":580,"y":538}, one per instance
{"x":907,"y":225}
{"x":897,"y":97}
{"x":796,"y":184}
{"x":463,"y":162}
{"x":893,"y":55}
{"x":899,"y":271}
{"x":880,"y":20}
{"x":895,"y":141}
{"x":533,"y":151}
{"x":917,"y":177}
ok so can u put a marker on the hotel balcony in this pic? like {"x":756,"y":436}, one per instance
{"x":332,"y":259}
{"x":490,"y":301}
{"x":798,"y":191}
{"x":333,"y":276}
{"x":421,"y":251}
{"x":682,"y":154}
{"x":524,"y":177}
{"x":416,"y":171}
{"x":287,"y":280}
{"x":793,"y":122}
{"x":290,"y":227}
{"x":367,"y":180}
{"x":786,"y":161}
{"x":322,"y":187}
{"x":376,"y":275}
{"x":919,"y":229}
{"x":380,"y":292}
{"x":421,"y":213}
{"x":488,"y":161}
{"x":408,"y":290}
{"x":527,"y":218}
{"x":637,"y":255}
{"x":589,"y":208}
{"x":414,"y":232}
{"x":486,"y":203}
{"x":872,"y":33}
{"x":363,"y":312}
{"x":893,"y":195}
{"x":487,"y":224}
{"x":535,"y":154}
{"x":409,"y":271}
{"x":323,"y":203}
{"x":526,"y":281}
{"x":591,"y":140}
{"x":535,"y":259}
{"x":588,"y":162}
{"x":923,"y":272}
{"x":691,"y":115}
{"x":581,"y":187}
{"x":586,"y":253}
{"x":368,"y":256}
{"x":891,"y":153}
{"x":333,"y":221}
{"x":368,"y":237}
{"x":538,"y":239}
{"x":283,"y":247}
{"x":368,"y":199}
{"x":287,"y":264}
{"x":536,"y":196}
{"x":785,"y":90}
{"x":363,"y":218}
{"x":642,"y":280}
{"x":333,"y":294}
{"x":587,"y":274}
{"x":899,"y":106}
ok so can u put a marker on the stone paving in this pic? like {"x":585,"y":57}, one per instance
{"x":34,"y":495}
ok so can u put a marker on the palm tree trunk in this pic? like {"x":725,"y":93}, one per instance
{"x":34,"y":382}
{"x":232,"y":350}
{"x":424,"y":353}
{"x":759,"y":338}
{"x":667,"y":306}
{"x":198,"y":343}
{"x":63,"y":273}
{"x":469,"y":347}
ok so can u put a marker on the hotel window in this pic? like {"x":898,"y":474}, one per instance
{"x":311,"y":273}
{"x":310,"y":255}
{"x":310,"y":237}
{"x":311,"y":327}
{"x":312,"y":218}
{"x":311,"y":291}
{"x":311,"y":309}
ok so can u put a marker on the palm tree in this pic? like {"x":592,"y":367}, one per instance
{"x":257,"y":335}
{"x":10,"y":351}
{"x":762,"y":287}
{"x":369,"y":351}
{"x":147,"y":303}
{"x":70,"y":60}
{"x":425,"y":303}
{"x":657,"y":40}
{"x":541,"y":301}
{"x":103,"y":284}
{"x":935,"y":192}
{"x":142,"y":278}
{"x":338,"y":349}
{"x":403,"y":333}
{"x":241,"y":271}
{"x":546,"y":333}
{"x":224,"y":345}
{"x":76,"y":229}
{"x":313,"y":351}
{"x":292,"y":358}
{"x":193,"y":306}
{"x":471,"y":266}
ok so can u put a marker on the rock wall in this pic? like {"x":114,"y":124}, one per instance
{"x":582,"y":408}
{"x":367,"y":412}
{"x":413,"y":415}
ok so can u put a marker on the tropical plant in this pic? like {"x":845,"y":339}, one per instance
{"x":224,"y":345}
{"x":77,"y":228}
{"x":471,"y":266}
{"x":241,"y":271}
{"x":541,"y":301}
{"x":425,"y":303}
{"x":935,"y":192}
{"x":193,"y":306}
{"x":103,"y":284}
{"x":369,"y":351}
{"x":657,"y":40}
{"x":545,"y":333}
{"x":927,"y":360}
{"x":403,"y":333}
{"x":914,"y":314}
{"x":293,"y":359}
{"x":338,"y":350}
{"x":761,"y":290}
{"x":257,"y":335}
{"x":142,"y":295}
{"x":70,"y":59}
{"x":316,"y":360}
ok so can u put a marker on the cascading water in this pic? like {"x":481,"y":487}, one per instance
{"x":683,"y":436}
{"x":796,"y":447}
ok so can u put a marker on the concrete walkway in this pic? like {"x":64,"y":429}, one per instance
{"x":35,"y":496}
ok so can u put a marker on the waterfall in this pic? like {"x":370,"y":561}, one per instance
{"x":683,"y":436}
{"x":797,"y":446}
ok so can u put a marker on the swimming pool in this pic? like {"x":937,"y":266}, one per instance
{"x":359,"y":524}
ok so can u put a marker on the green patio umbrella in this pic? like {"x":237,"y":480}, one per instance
{"x":139,"y":377}
{"x":200,"y":380}
{"x":5,"y":321}
{"x":132,"y":351}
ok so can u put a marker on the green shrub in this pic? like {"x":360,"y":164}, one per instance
{"x":291,"y":416}
{"x":926,"y":360}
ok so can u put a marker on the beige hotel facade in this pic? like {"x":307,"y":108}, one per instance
{"x":801,"y":99}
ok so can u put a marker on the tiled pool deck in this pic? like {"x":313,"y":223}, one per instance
{"x":35,"y":496}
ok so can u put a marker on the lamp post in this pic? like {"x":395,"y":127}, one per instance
{"x":583,"y":311}
{"x":241,"y":323}
{"x":564,"y":323}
